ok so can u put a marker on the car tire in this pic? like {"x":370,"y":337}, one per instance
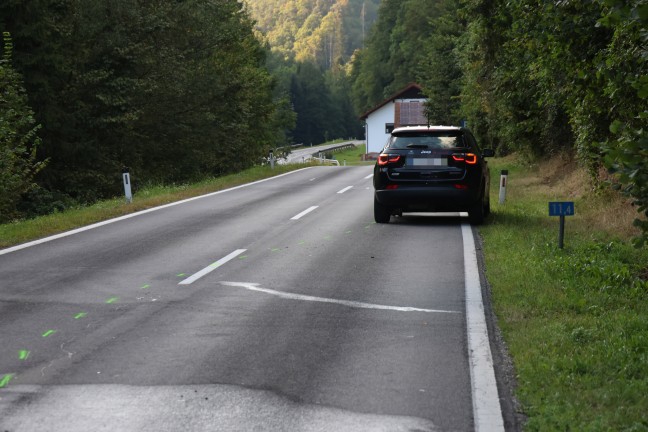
{"x":477,"y":212}
{"x":381,"y":212}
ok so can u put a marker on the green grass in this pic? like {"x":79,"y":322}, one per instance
{"x":352,"y":156}
{"x":25,"y":230}
{"x":575,"y":320}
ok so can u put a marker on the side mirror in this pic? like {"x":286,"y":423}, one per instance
{"x":488,"y":153}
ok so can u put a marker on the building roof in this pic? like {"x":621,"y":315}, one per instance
{"x":412,"y":91}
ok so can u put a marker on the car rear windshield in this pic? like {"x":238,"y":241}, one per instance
{"x":431,"y":140}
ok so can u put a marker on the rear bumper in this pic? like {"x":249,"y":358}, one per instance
{"x":428,"y":198}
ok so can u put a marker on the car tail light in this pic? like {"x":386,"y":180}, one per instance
{"x":469,"y":158}
{"x":385,"y":159}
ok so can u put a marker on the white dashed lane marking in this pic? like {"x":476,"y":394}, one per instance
{"x":210,"y":268}
{"x":304,"y":213}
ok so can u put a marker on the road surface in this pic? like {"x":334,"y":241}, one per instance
{"x":277,"y":306}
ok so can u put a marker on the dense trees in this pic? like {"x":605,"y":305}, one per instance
{"x":548,"y":77}
{"x":626,"y":76}
{"x":322,"y":105}
{"x":529,"y":76}
{"x":18,"y":139}
{"x":412,"y":41}
{"x":311,"y":42}
{"x":173,"y":90}
{"x":324,"y":32}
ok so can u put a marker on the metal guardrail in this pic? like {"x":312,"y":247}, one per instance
{"x":324,"y":160}
{"x":340,"y":147}
{"x":318,"y":153}
{"x":335,"y":148}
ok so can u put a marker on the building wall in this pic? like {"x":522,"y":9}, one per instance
{"x":375,"y":127}
{"x":410,"y":112}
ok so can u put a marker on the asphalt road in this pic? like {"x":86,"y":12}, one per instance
{"x":278,"y":306}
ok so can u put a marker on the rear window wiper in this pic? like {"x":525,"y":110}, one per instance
{"x":420,"y":146}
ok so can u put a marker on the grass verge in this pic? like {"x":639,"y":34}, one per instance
{"x":25,"y":230}
{"x":353,"y":156}
{"x":575,"y":320}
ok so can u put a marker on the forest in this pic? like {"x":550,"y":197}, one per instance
{"x":178,"y":91}
{"x":311,"y":44}
{"x":173,"y":91}
{"x":533,"y":77}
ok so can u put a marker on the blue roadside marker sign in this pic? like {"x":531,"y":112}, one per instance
{"x":562,"y":209}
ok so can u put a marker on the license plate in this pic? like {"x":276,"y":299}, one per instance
{"x":429,"y":162}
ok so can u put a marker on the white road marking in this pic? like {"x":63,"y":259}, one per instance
{"x":305,"y":212}
{"x":313,"y":179}
{"x":369,"y":176}
{"x":487,"y":412}
{"x":345,"y":189}
{"x":354,"y":304}
{"x":210,"y":268}
{"x":128,"y":216}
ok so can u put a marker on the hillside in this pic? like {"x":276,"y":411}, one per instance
{"x":323,"y":31}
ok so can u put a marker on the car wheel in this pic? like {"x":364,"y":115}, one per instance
{"x":381,"y":212}
{"x":477,"y":212}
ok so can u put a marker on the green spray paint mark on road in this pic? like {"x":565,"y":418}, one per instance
{"x":4,"y":382}
{"x":243,"y":256}
{"x":80,"y":315}
{"x":147,"y":286}
{"x":301,"y":242}
{"x":112,"y":300}
{"x":49,"y":333}
{"x":181,"y":275}
{"x":348,"y":232}
{"x":23,"y":354}
{"x":274,"y":250}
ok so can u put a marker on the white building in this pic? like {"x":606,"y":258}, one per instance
{"x":406,"y":107}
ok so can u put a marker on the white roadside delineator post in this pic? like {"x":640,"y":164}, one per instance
{"x":127,"y":186}
{"x":502,"y":191}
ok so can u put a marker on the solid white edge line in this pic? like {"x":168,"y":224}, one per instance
{"x":210,"y":268}
{"x":345,"y":189}
{"x":369,"y":176}
{"x":305,"y":212}
{"x":487,"y":411}
{"x":128,"y":216}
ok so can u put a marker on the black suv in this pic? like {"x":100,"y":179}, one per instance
{"x":432,"y":168}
